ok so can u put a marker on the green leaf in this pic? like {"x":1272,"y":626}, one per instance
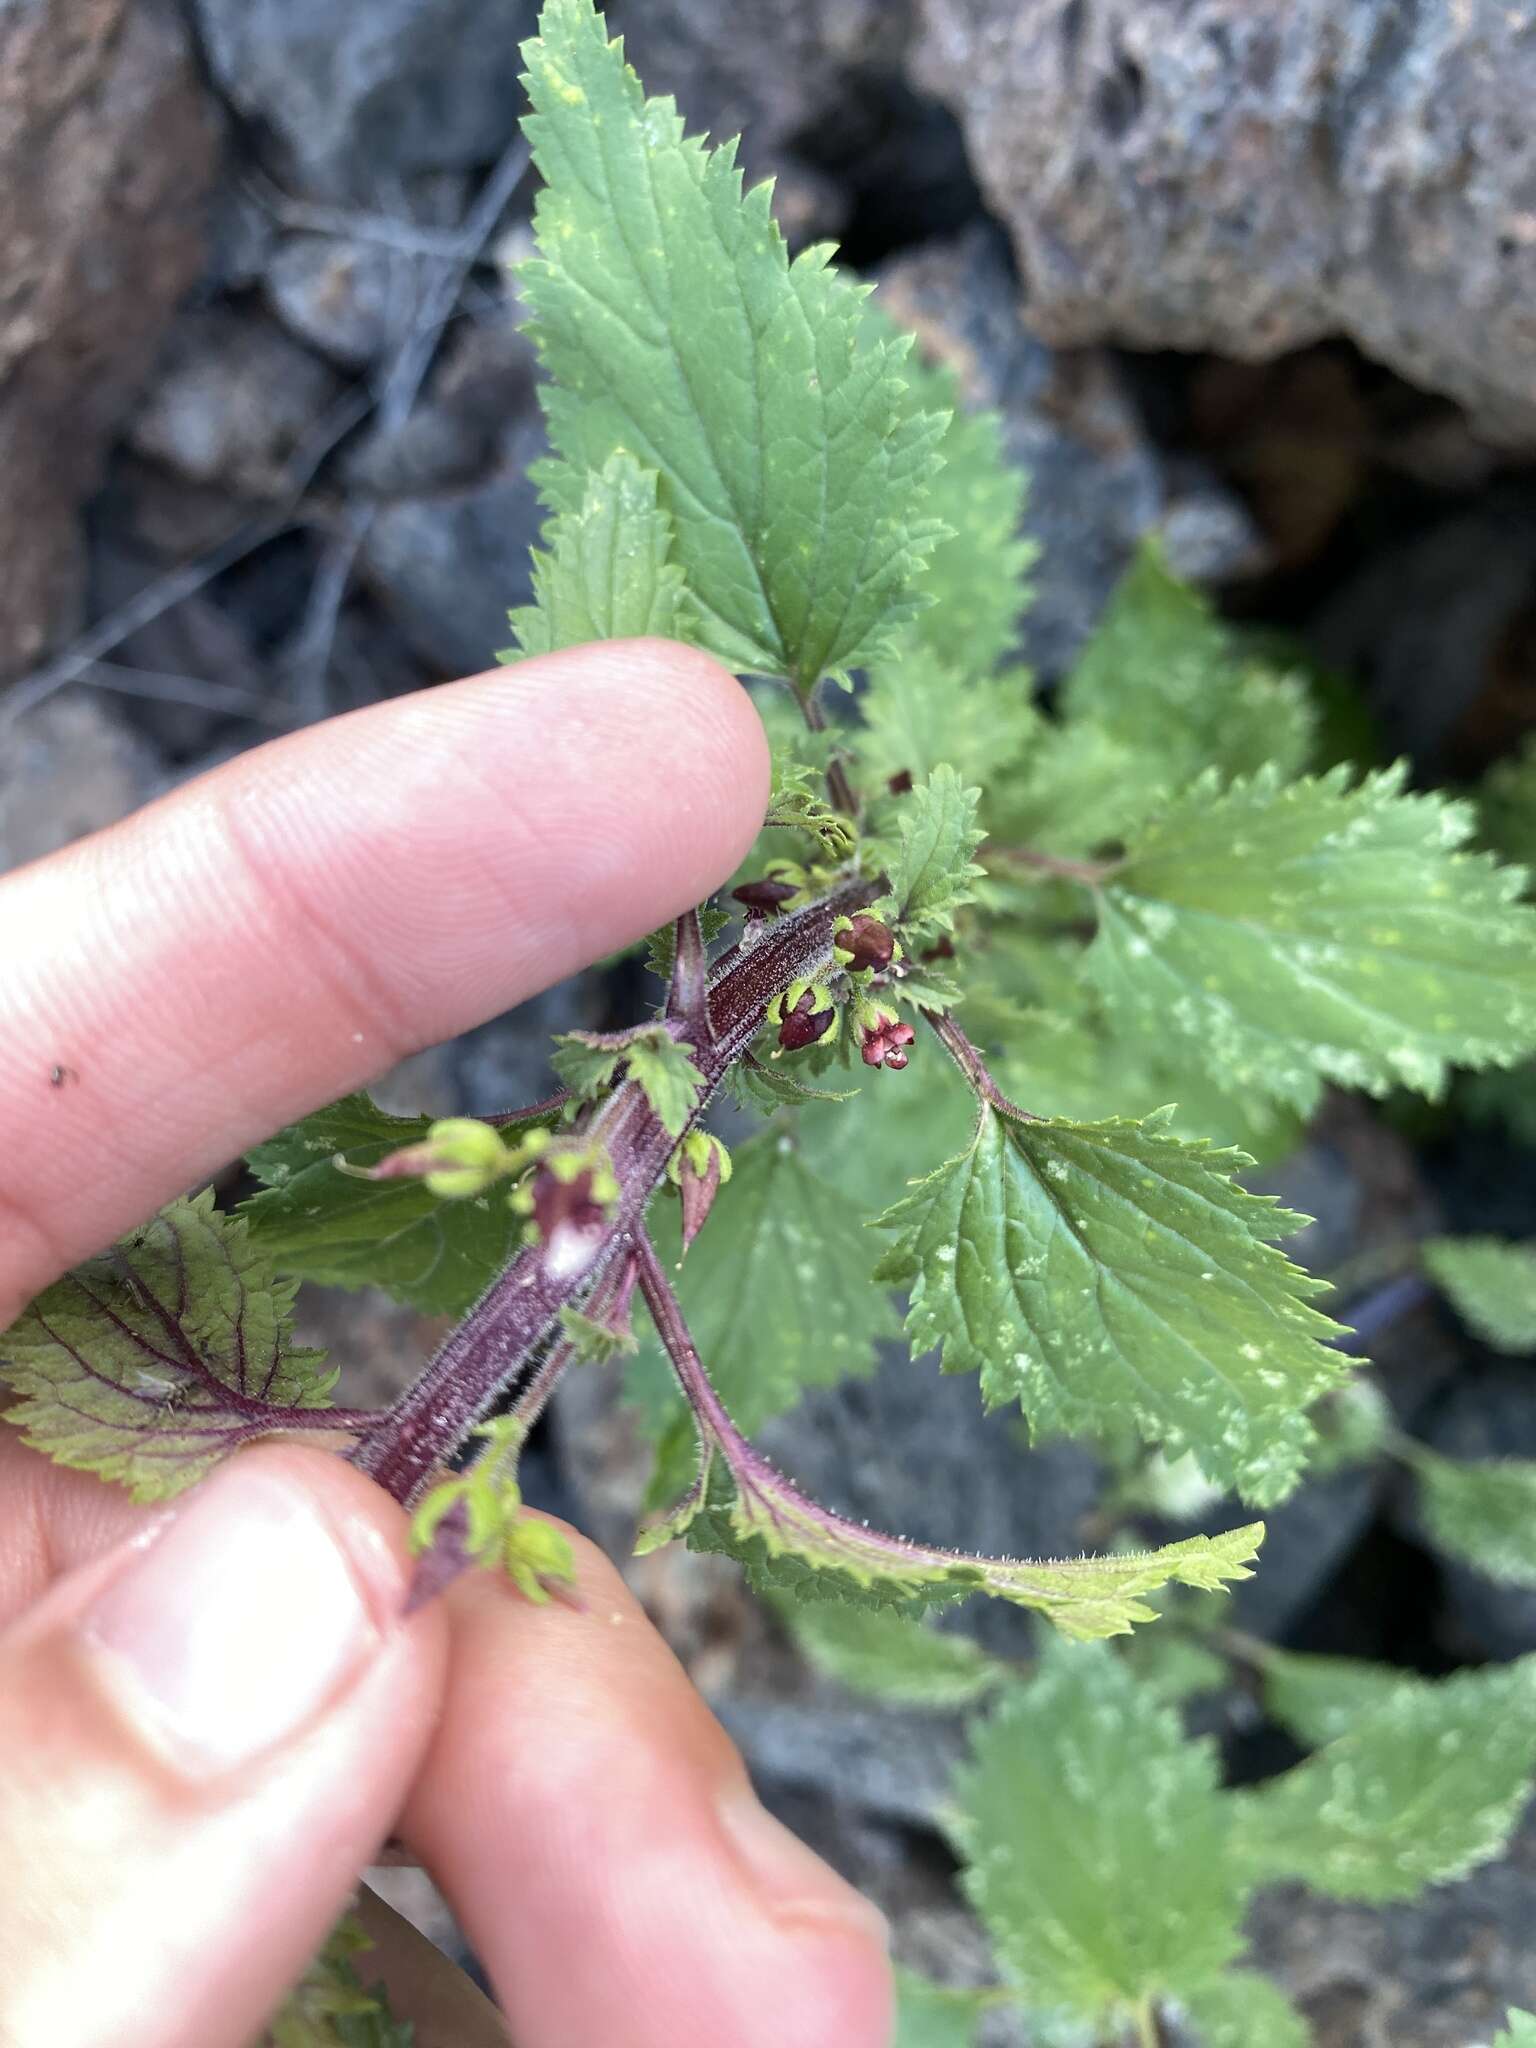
{"x":320,"y":1224}
{"x":1165,"y":676}
{"x":1482,"y":1512}
{"x":1490,"y":1284}
{"x":1105,"y":1269}
{"x":1506,"y":806}
{"x":1240,"y":2009}
{"x":788,"y":1544}
{"x":1320,"y":930}
{"x":587,"y":1061}
{"x":1083,"y":788}
{"x":661,"y":946}
{"x":931,"y":868}
{"x":975,"y":581}
{"x":668,"y":1077}
{"x":935,"y":2015}
{"x":890,"y":1656}
{"x":1519,"y":2030}
{"x":148,"y":1364}
{"x":793,"y":461}
{"x":604,"y":572}
{"x":1424,"y":1788}
{"x":920,"y":712}
{"x":1319,"y":1698}
{"x":1095,"y":1839}
{"x":330,"y":2008}
{"x":776,"y":1286}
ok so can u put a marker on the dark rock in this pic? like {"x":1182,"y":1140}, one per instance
{"x":1438,"y":1973}
{"x":1096,"y":482}
{"x":350,"y":96}
{"x":895,"y":1765}
{"x":1432,"y":628}
{"x":339,"y":296}
{"x":233,"y":402}
{"x":448,"y":568}
{"x":1248,"y":179}
{"x":69,"y":767}
{"x":107,"y":152}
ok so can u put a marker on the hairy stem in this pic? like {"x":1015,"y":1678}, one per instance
{"x":968,"y":1059}
{"x":519,"y":1312}
{"x":839,"y":788}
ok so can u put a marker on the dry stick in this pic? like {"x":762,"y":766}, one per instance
{"x":84,"y":654}
{"x":309,"y":657}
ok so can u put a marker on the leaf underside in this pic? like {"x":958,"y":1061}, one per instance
{"x":148,"y":1364}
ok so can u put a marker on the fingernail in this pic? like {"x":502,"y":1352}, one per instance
{"x":235,"y":1625}
{"x":796,"y":1886}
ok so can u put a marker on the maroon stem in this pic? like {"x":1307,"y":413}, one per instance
{"x":968,"y":1059}
{"x":519,"y":1311}
{"x":839,"y":788}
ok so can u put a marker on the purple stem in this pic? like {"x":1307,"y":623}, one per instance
{"x":688,"y":991}
{"x":520,"y":1309}
{"x":968,"y":1059}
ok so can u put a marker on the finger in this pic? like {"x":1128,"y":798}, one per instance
{"x":288,"y":926}
{"x":207,"y":1733}
{"x":598,"y":1838}
{"x":444,"y":2008}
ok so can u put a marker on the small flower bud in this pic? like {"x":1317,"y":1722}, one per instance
{"x":763,"y":897}
{"x":699,"y":1167}
{"x":567,"y":1204}
{"x":808,"y":1018}
{"x":885,"y":1043}
{"x":900,"y":783}
{"x":865,"y":944}
{"x":457,"y":1158}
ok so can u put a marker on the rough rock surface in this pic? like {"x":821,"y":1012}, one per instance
{"x":1220,"y":174}
{"x":352,"y":95}
{"x":67,"y":768}
{"x":107,"y":150}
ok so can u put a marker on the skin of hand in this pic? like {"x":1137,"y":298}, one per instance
{"x":213,"y":1714}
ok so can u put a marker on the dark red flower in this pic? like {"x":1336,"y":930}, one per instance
{"x":867,"y":943}
{"x":804,"y":1024}
{"x":764,"y":896}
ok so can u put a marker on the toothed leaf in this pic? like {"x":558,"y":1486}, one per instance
{"x":1165,"y":676}
{"x":1320,"y":930}
{"x":1094,"y":1836}
{"x":793,"y":460}
{"x":1490,"y":1284}
{"x":1422,"y":1789}
{"x":1109,"y":1269}
{"x":1483,"y":1512}
{"x":148,"y":1364}
{"x":1240,"y":2009}
{"x":604,"y":572}
{"x":921,"y":711}
{"x":742,"y":1508}
{"x":931,"y":869}
{"x":1319,"y":1698}
{"x":317,"y":1223}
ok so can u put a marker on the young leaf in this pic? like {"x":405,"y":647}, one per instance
{"x":1090,"y":1270}
{"x":931,"y":869}
{"x":604,"y":572}
{"x":920,"y":713}
{"x":935,"y":2015}
{"x":890,"y":1656}
{"x":330,"y":2008}
{"x":1482,"y":1512}
{"x":1240,"y":2009}
{"x":1490,"y":1284}
{"x":148,"y":1364}
{"x":1319,"y":1698}
{"x":320,"y":1224}
{"x":1319,"y":929}
{"x":587,"y":1061}
{"x":776,"y":1286}
{"x":1162,"y":674}
{"x":661,"y":946}
{"x":1082,"y":788}
{"x":1423,"y":1788}
{"x":1095,"y":1838}
{"x":793,"y":461}
{"x":742,"y":1508}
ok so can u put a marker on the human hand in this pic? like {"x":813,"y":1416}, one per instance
{"x":211,"y":1718}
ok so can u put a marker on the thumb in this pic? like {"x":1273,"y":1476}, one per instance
{"x":206,"y":1735}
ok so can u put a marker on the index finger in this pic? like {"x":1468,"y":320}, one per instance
{"x":291,"y":925}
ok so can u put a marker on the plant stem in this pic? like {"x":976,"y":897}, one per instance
{"x":520,"y":1310}
{"x":968,"y":1059}
{"x":1089,"y":872}
{"x":839,"y":788}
